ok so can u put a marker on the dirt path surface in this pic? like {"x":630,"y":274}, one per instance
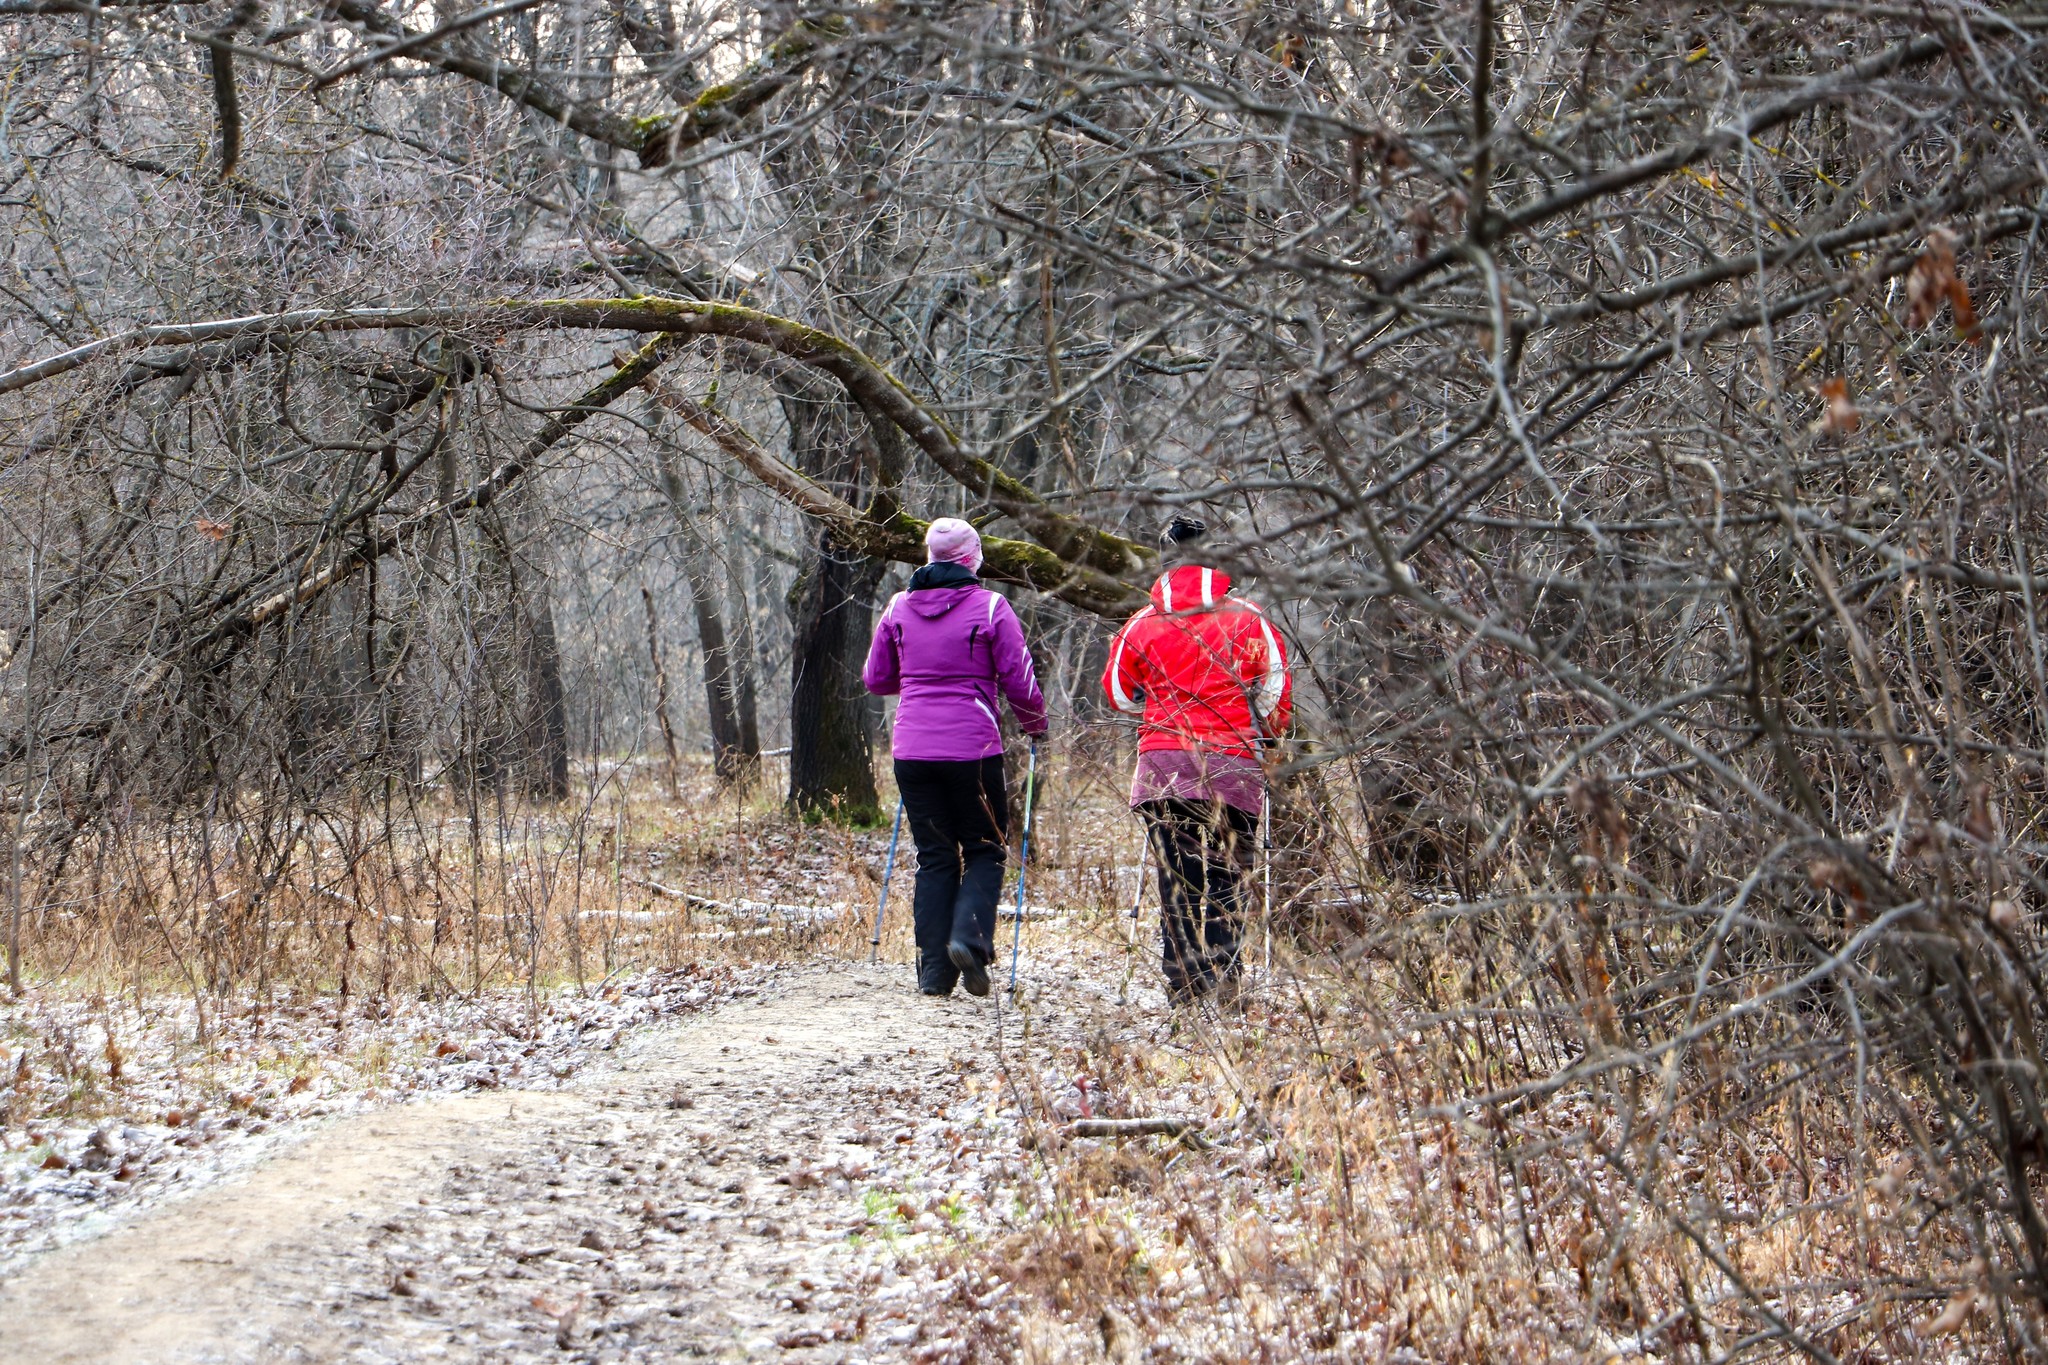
{"x":708,"y":1196}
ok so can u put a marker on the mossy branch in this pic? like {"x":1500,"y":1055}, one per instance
{"x":655,"y":140}
{"x":721,"y":107}
{"x":1073,"y":542}
{"x":887,"y":532}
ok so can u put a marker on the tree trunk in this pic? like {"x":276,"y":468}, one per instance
{"x":668,"y":731}
{"x":746,"y":650}
{"x":728,"y":695}
{"x":831,"y":758}
{"x":547,"y":702}
{"x":731,"y":757}
{"x":831,"y":738}
{"x":521,"y":717}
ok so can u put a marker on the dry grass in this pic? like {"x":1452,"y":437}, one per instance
{"x":1403,"y":1157}
{"x":1399,"y":1164}
{"x":448,"y":898}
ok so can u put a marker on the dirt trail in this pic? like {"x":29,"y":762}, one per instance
{"x":695,"y":1198}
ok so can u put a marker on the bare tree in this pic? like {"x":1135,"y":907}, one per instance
{"x":1630,"y":410}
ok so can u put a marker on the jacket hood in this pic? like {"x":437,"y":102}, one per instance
{"x":937,"y":588}
{"x":942,"y":574}
{"x":1189,"y":588}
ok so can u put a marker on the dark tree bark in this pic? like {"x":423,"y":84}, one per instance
{"x":746,"y":662}
{"x":831,"y":735}
{"x":547,"y":703}
{"x":521,"y":731}
{"x":831,"y":738}
{"x":732,"y":758}
{"x":728,"y":695}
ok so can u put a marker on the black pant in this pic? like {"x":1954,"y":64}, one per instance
{"x":1204,"y":850}
{"x":959,"y":815}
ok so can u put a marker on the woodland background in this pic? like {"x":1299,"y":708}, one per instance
{"x":420,"y":421}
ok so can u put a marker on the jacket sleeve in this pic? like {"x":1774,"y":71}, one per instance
{"x":1014,"y":670}
{"x":883,"y":672}
{"x":1271,"y":681}
{"x":1120,"y":678}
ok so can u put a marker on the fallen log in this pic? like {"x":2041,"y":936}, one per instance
{"x":1122,"y":1128}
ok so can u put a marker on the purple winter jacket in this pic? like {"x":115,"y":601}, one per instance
{"x":946,"y":650}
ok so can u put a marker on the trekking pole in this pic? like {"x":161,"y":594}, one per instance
{"x":888,"y":869}
{"x":1023,"y":860}
{"x":1266,"y":824}
{"x":1144,"y":856}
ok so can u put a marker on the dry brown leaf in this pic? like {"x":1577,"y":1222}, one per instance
{"x":1981,"y":817}
{"x":1385,"y":150}
{"x":804,"y":1338}
{"x":212,"y":530}
{"x":1420,"y":221}
{"x":1604,"y":830}
{"x":1934,"y":281}
{"x":1927,"y":284}
{"x":1832,"y":874}
{"x":1840,"y":416}
{"x":1952,"y":1317}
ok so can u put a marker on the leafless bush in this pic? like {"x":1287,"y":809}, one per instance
{"x":1630,"y":409}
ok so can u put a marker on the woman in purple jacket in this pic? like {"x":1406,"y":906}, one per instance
{"x":947,"y":645}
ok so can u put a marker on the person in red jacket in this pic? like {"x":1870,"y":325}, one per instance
{"x":1208,"y":674}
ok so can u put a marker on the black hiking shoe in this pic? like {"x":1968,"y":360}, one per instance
{"x":973,"y":975}
{"x":935,"y":975}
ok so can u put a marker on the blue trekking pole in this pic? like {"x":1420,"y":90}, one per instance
{"x":1023,"y":860}
{"x":888,"y":868}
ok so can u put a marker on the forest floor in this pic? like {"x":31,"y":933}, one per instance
{"x":724,"y":1186}
{"x":731,"y":1137}
{"x":805,"y":1160}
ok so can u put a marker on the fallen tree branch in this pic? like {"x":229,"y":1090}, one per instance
{"x":1146,"y":1127}
{"x":873,"y":387}
{"x":242,"y":624}
{"x":890,"y":533}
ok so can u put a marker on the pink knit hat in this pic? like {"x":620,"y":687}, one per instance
{"x":952,"y":541}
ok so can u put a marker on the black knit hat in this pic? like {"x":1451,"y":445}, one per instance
{"x":1183,"y":533}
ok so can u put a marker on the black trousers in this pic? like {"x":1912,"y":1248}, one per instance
{"x":959,"y":816}
{"x":1204,"y":850}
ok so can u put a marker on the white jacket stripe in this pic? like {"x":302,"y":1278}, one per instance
{"x":1117,"y":695}
{"x":1267,"y":697}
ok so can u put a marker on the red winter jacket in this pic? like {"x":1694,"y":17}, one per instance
{"x":1205,"y":669}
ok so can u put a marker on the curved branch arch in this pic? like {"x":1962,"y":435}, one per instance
{"x":866,"y":380}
